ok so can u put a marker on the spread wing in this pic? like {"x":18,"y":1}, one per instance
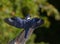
{"x":36,"y":22}
{"x":14,"y":21}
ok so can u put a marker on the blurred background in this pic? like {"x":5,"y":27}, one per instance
{"x":48,"y":10}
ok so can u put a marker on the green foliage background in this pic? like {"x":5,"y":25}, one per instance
{"x":8,"y":32}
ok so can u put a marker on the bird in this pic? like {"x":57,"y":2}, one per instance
{"x":24,"y":23}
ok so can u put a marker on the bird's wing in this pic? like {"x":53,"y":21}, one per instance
{"x":14,"y":21}
{"x":36,"y":22}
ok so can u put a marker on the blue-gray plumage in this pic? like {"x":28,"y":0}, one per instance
{"x":24,"y":23}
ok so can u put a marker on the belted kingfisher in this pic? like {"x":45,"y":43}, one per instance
{"x":24,"y":23}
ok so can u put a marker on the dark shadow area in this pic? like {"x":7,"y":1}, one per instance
{"x":42,"y":13}
{"x":56,"y":3}
{"x":51,"y":34}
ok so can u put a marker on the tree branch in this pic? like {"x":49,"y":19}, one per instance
{"x":20,"y":39}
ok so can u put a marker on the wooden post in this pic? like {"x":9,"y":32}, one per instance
{"x":20,"y":39}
